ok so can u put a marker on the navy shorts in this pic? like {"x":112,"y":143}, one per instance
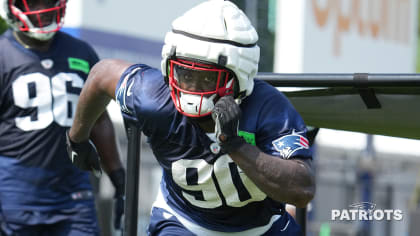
{"x":78,"y":221}
{"x":163,"y":223}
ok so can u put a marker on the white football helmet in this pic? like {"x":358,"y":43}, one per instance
{"x":213,"y":36}
{"x":17,"y":14}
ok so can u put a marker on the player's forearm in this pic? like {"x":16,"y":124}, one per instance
{"x":103,"y":136}
{"x":289,"y":181}
{"x":95,"y":96}
{"x":90,"y":106}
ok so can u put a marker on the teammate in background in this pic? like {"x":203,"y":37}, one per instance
{"x":232,"y":148}
{"x":42,"y":71}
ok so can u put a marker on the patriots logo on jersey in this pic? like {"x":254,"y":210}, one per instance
{"x":289,"y":144}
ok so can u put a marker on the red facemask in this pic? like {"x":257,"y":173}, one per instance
{"x":195,"y":86}
{"x":44,"y":20}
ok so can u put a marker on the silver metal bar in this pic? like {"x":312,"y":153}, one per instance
{"x":132,"y":180}
{"x":338,"y":80}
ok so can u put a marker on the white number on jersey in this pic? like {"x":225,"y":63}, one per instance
{"x":207,"y":186}
{"x":52,"y":101}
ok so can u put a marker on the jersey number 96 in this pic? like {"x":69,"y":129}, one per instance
{"x":53,"y":99}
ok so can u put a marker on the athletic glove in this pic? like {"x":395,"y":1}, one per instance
{"x":84,"y":156}
{"x":118,"y":180}
{"x":226,"y":114}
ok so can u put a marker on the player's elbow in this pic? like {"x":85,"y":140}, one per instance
{"x":299,"y":193}
{"x":305,"y":189}
{"x":105,"y":75}
{"x":97,"y":75}
{"x":94,"y":80}
{"x":305,"y":182}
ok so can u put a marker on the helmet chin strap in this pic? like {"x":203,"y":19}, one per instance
{"x":190,"y":103}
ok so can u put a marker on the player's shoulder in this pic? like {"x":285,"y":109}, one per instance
{"x":12,"y":51}
{"x":67,"y":38}
{"x":142,"y":75}
{"x":263,"y":88}
{"x":264,"y":94}
{"x":3,"y":38}
{"x":4,"y":47}
{"x":72,"y":43}
{"x":143,"y":71}
{"x":150,"y":90}
{"x":6,"y":35}
{"x":149,"y":78}
{"x":5,"y":41}
{"x":266,"y":105}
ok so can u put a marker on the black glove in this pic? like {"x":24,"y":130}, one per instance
{"x":226,"y":114}
{"x":84,"y":156}
{"x":118,"y":180}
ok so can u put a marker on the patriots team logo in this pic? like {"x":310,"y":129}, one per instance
{"x":364,"y":206}
{"x":289,"y":144}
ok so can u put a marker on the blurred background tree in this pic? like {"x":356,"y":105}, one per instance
{"x":3,"y":25}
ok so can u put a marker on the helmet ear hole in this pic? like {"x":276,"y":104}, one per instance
{"x":222,"y":60}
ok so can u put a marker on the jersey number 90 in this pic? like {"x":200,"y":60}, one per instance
{"x":198,"y":179}
{"x":50,"y":97}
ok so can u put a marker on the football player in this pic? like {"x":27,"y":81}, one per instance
{"x":232,"y":148}
{"x":42,"y":72}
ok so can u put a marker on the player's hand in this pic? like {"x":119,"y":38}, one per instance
{"x":118,"y":180}
{"x":226,"y":114}
{"x":84,"y":156}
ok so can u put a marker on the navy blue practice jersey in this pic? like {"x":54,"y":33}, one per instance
{"x":201,"y":185}
{"x":38,"y":96}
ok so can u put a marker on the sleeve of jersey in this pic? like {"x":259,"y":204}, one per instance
{"x":124,"y":96}
{"x":281,"y":130}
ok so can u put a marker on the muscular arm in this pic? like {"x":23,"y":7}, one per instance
{"x":290,"y":181}
{"x":103,"y":137}
{"x":98,"y":90}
